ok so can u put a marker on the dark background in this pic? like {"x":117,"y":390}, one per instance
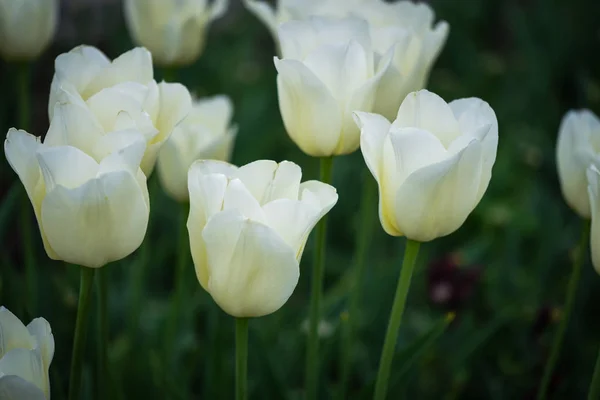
{"x":504,"y":272}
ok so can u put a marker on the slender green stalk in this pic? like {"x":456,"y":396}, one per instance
{"x":103,"y":333}
{"x":594,"y":392}
{"x":241,"y":358}
{"x":180,"y":280}
{"x":83,"y":310}
{"x":24,"y":112}
{"x":389,"y":345}
{"x":365,"y":232}
{"x":562,"y":327}
{"x":312,"y":346}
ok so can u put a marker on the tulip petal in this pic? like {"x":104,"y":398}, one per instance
{"x":319,"y":195}
{"x":13,"y":387}
{"x":252,"y":270}
{"x":40,"y":329}
{"x":435,"y":200}
{"x":268,"y":180}
{"x":207,"y":192}
{"x":477,"y":119}
{"x":172,"y":165}
{"x":207,"y":167}
{"x":65,"y":166}
{"x":103,"y":220}
{"x":593,"y":178}
{"x":311,"y":115}
{"x":264,"y":12}
{"x":132,"y":66}
{"x":13,"y":334}
{"x":20,"y":149}
{"x":238,"y":197}
{"x":417,"y":110}
{"x":28,"y":365}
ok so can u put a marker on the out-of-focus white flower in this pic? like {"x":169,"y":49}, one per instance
{"x":328,"y":71}
{"x":27,"y":27}
{"x":173,"y":30}
{"x":578,"y":147}
{"x":25,"y":356}
{"x":432,"y":164}
{"x":248,"y":227}
{"x":593,"y":178}
{"x":87,"y":190}
{"x":205,"y":134}
{"x":120,"y":94}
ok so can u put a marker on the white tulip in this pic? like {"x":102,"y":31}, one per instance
{"x":173,"y":30}
{"x":205,"y":134}
{"x":248,"y":227}
{"x":578,"y":147}
{"x":26,"y":27}
{"x":121,"y":93}
{"x":432,"y":164}
{"x":328,"y":71}
{"x":25,"y":356}
{"x":593,"y":179}
{"x":92,"y":208}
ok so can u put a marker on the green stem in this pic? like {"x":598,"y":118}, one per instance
{"x":83,"y":310}
{"x":562,"y":327}
{"x":180,"y":279}
{"x":312,"y":347}
{"x":389,"y":345}
{"x":365,"y":232}
{"x":103,"y":332}
{"x":241,"y":358}
{"x":594,"y":393}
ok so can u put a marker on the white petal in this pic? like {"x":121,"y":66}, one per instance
{"x":319,"y":195}
{"x":26,"y":364}
{"x":101,"y":221}
{"x":428,"y":111}
{"x":206,"y":167}
{"x":435,"y":200}
{"x":374,"y":129}
{"x":40,"y":329}
{"x":252,"y":271}
{"x":13,"y":387}
{"x":132,"y":66}
{"x":206,"y":192}
{"x":20,"y":149}
{"x":13,"y":334}
{"x":593,"y":178}
{"x":267,"y":180}
{"x":575,"y":151}
{"x":312,"y":117}
{"x":65,"y":166}
{"x":172,"y":168}
{"x":238,"y":197}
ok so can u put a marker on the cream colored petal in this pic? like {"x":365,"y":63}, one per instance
{"x":593,"y":178}
{"x":20,"y":149}
{"x":374,"y":129}
{"x":65,"y":166}
{"x":40,"y":329}
{"x":252,"y":271}
{"x":311,"y":115}
{"x":13,"y":334}
{"x":13,"y":387}
{"x":435,"y":200}
{"x":206,"y":193}
{"x":28,"y":365}
{"x":132,"y":66}
{"x":172,"y":171}
{"x":428,"y":111}
{"x":238,"y":197}
{"x":267,"y":180}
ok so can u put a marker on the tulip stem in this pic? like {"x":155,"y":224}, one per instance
{"x":312,"y":350}
{"x":389,"y":345}
{"x":83,"y":309}
{"x":241,"y":358}
{"x":180,"y":279}
{"x":103,"y":332}
{"x":594,"y":392}
{"x":24,"y":103}
{"x":365,"y":231}
{"x":562,"y":327}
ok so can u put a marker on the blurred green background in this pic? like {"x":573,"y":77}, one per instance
{"x":504,"y":272}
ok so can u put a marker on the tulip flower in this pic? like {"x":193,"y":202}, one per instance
{"x":26,"y":28}
{"x":120,"y":94}
{"x":328,"y":71}
{"x":91,"y":208}
{"x":25,"y":356}
{"x":593,"y":178}
{"x":248,"y":227}
{"x":576,"y":150}
{"x":432,"y":164}
{"x":205,"y":134}
{"x":173,"y":30}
